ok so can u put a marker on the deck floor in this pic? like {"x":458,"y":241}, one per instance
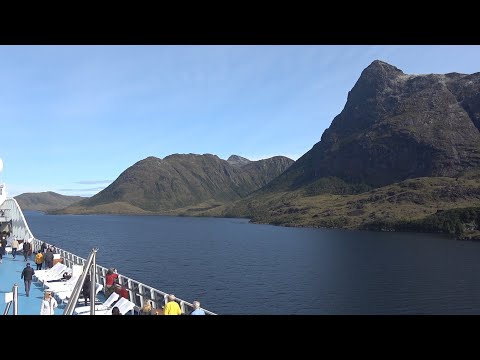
{"x":10,"y":272}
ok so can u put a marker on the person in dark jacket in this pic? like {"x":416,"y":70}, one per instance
{"x":3,"y":245}
{"x":48,"y":259}
{"x":86,"y":289}
{"x":27,"y":276}
{"x":26,"y":249}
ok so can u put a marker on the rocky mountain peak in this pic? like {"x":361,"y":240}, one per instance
{"x":396,"y":126}
{"x":238,"y":161}
{"x":381,"y":67}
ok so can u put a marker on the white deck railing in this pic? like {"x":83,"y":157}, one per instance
{"x":139,"y":292}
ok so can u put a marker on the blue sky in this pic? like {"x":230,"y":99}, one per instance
{"x":73,"y":118}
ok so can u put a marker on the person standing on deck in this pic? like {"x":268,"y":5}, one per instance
{"x":27,"y":276}
{"x":110,"y":279}
{"x":39,"y":260}
{"x":196,"y":309}
{"x":14,"y":247}
{"x":48,"y":259}
{"x":26,"y":249}
{"x":86,"y":289}
{"x":48,"y":304}
{"x":146,"y":308}
{"x":3,"y":245}
{"x":43,"y":248}
{"x":172,"y":307}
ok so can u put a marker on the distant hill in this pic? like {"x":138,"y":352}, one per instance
{"x":45,"y":201}
{"x":155,"y":185}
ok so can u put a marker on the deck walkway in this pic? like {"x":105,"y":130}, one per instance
{"x":10,"y":272}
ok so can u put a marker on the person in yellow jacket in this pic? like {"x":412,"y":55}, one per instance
{"x":172,"y":307}
{"x":39,"y":260}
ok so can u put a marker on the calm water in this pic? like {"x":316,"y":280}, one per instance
{"x":234,"y":267}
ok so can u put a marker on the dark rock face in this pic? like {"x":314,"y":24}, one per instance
{"x":181,"y":180}
{"x":465,"y":88}
{"x":262,"y":172}
{"x":396,"y":126}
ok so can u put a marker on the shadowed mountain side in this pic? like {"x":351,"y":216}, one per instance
{"x":45,"y":201}
{"x":160,"y":185}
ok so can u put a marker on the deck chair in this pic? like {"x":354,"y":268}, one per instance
{"x":48,"y":271}
{"x":123,"y":305}
{"x":76,"y":271}
{"x":119,"y":303}
{"x":104,"y":306}
{"x":64,"y":296}
{"x":62,"y":285}
{"x":54,"y":273}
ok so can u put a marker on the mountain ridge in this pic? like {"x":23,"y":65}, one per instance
{"x":46,"y":201}
{"x":403,"y":147}
{"x":180,"y":180}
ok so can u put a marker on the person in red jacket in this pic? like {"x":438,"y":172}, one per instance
{"x":122,"y":291}
{"x":110,"y":279}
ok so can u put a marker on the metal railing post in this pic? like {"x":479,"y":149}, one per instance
{"x":7,"y":308}
{"x":15,"y":299}
{"x":78,"y":287}
{"x":93,"y":282}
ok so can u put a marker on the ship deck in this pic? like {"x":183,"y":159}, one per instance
{"x":10,"y":272}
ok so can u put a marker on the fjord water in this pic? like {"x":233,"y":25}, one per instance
{"x":234,"y":267}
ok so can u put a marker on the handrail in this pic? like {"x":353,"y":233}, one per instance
{"x":91,"y":270}
{"x":15,"y":299}
{"x":139,"y":293}
{"x":78,"y":286}
{"x":13,"y":302}
{"x":7,"y":308}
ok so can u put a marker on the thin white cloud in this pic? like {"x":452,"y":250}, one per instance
{"x":82,"y":190}
{"x":91,"y":182}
